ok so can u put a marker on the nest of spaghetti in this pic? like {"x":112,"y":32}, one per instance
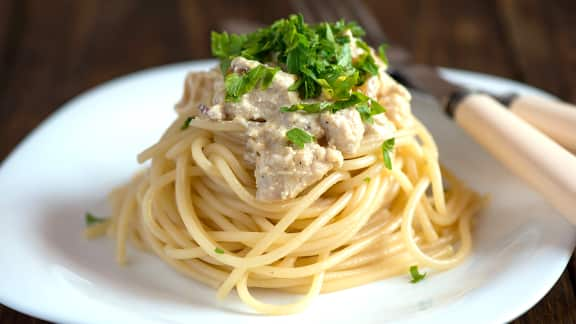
{"x":234,"y":198}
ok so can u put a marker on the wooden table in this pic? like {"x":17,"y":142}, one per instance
{"x":51,"y":51}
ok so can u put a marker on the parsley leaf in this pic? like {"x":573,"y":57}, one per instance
{"x":367,"y":179}
{"x":382,"y":53}
{"x":299,"y":137}
{"x":364,"y":105}
{"x":387,"y":148}
{"x":234,"y":84}
{"x":186,"y":123}
{"x":308,"y":107}
{"x":416,"y":276}
{"x":226,"y":47}
{"x":239,"y":84}
{"x":338,"y":86}
{"x":90,"y":219}
{"x":370,"y":109}
{"x":297,"y":55}
{"x":341,"y":26}
{"x":362,"y":44}
{"x":345,"y":56}
{"x":356,"y":98}
{"x":328,"y":33}
{"x":376,"y":107}
{"x":267,"y":77}
{"x":364,"y":111}
{"x":219,"y":250}
{"x":367,"y":65}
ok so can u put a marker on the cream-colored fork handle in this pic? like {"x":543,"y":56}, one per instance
{"x":542,"y":163}
{"x":555,"y":118}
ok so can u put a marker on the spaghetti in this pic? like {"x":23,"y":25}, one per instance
{"x":196,"y":208}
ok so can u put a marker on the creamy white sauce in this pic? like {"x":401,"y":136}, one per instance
{"x":281,"y":170}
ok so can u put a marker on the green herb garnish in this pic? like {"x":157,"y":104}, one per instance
{"x":367,"y":179}
{"x":367,"y":67}
{"x":219,"y":250}
{"x":238,"y":84}
{"x":366,"y":107}
{"x":226,"y":47}
{"x":365,"y":63}
{"x":382,"y":53}
{"x":319,"y":55}
{"x":369,"y":109}
{"x":387,"y":148}
{"x":309,"y":108}
{"x":416,"y":276}
{"x":91,"y":219}
{"x":299,"y":137}
{"x":186,"y":123}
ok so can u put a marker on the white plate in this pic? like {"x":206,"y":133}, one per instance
{"x":68,"y":165}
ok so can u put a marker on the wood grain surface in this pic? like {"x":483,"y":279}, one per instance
{"x":51,"y":51}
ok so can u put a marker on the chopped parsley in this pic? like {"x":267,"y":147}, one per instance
{"x":219,"y":250}
{"x":416,"y":276}
{"x":365,"y":64}
{"x":91,"y":219}
{"x":186,"y":123}
{"x":369,"y":109}
{"x":299,"y":137}
{"x":319,"y":55}
{"x":387,"y":148}
{"x":364,"y":105}
{"x":382,"y":53}
{"x":309,"y":107}
{"x":226,"y":47}
{"x":367,"y":179}
{"x":238,"y":84}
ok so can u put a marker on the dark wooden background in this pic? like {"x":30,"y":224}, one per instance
{"x":51,"y":51}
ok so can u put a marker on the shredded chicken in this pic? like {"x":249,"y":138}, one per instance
{"x":344,"y":129}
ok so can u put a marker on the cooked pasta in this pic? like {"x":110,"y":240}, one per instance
{"x":214,"y":205}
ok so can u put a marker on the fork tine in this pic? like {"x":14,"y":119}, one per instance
{"x":331,"y":10}
{"x":374,"y":33}
{"x":370,"y":22}
{"x":313,"y":10}
{"x":356,"y":10}
{"x":340,"y":10}
{"x":301,"y":6}
{"x":324,"y":12}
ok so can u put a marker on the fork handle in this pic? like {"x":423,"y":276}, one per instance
{"x":555,"y":118}
{"x":542,"y":163}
